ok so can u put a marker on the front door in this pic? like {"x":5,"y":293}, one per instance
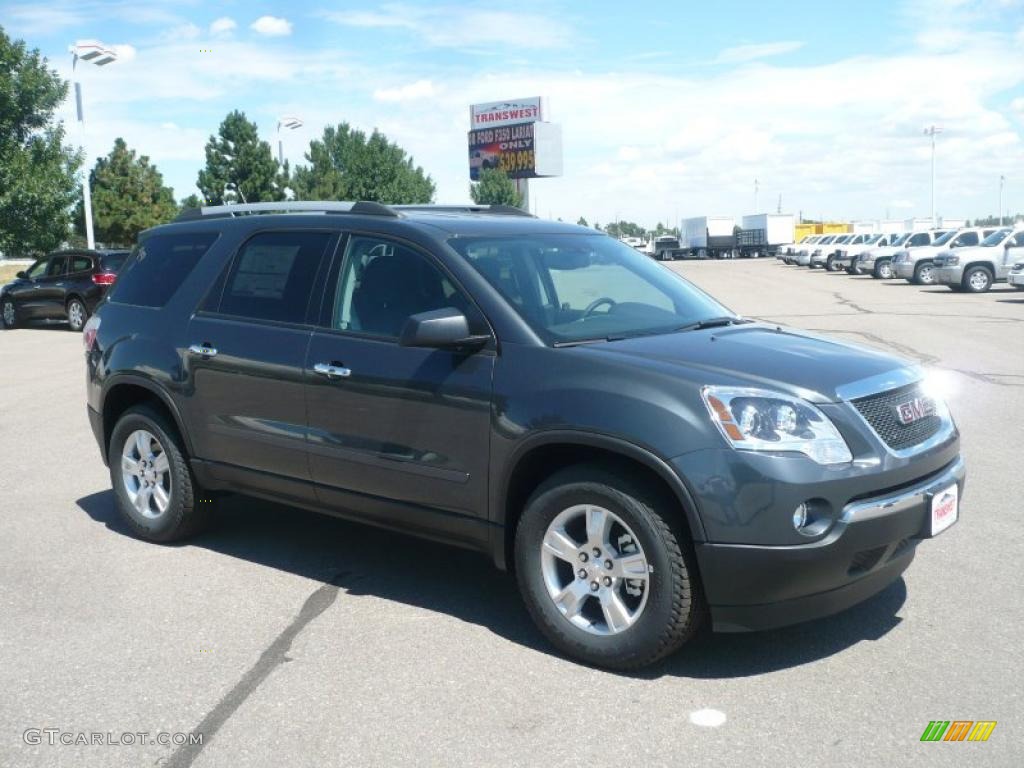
{"x":246,"y":356}
{"x":1013,"y":253}
{"x":395,"y":429}
{"x":44,"y":297}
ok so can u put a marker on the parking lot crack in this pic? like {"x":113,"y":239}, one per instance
{"x":272,"y":657}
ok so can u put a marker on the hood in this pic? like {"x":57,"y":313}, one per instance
{"x":755,"y":355}
{"x":884,"y":250}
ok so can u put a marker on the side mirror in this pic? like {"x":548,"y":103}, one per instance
{"x":22,"y":274}
{"x":445,"y":328}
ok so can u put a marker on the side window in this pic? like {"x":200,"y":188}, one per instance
{"x":1018,"y":240}
{"x":382,"y":283}
{"x":38,"y":269}
{"x":921,"y":238}
{"x":159,"y":266}
{"x":272,"y":276}
{"x":80,"y":264}
{"x":967,"y":238}
{"x":57,"y":266}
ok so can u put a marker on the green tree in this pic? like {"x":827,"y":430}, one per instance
{"x":582,"y":222}
{"x":128,"y":196}
{"x":495,"y":188}
{"x":37,"y":172}
{"x":345,"y":164}
{"x":192,"y":201}
{"x":239,"y":166}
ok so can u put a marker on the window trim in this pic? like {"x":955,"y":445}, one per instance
{"x":335,"y":236}
{"x":322,"y":320}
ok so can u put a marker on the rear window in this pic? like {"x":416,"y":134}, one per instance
{"x":160,"y":265}
{"x":112,"y":262}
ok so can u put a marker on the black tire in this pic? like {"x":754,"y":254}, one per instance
{"x":972,"y":282}
{"x":877,"y":271}
{"x":829,"y":265}
{"x":77,"y":314}
{"x":188,"y":512}
{"x":8,"y":313}
{"x":674,"y":607}
{"x":924,"y":274}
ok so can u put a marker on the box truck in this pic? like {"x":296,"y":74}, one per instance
{"x":709,"y":237}
{"x":763,"y":234}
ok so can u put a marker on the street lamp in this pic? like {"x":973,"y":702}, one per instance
{"x":931,"y":131}
{"x":94,"y":53}
{"x":1002,"y":181}
{"x":291,"y":123}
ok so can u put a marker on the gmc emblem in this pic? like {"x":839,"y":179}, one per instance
{"x":915,"y":410}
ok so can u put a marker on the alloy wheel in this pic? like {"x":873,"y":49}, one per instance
{"x":925,"y":275}
{"x":76,"y":314}
{"x":146,"y":474}
{"x":9,"y":313}
{"x":978,"y":280}
{"x":595,"y":570}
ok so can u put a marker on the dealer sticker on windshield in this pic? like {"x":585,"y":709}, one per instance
{"x":944,"y":508}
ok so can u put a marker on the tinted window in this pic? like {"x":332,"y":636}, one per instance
{"x":967,"y":238}
{"x":39,"y":268}
{"x":159,"y":266}
{"x":921,"y":238}
{"x":272,"y":276}
{"x":58,"y":266}
{"x":1018,"y":240}
{"x":112,"y":262}
{"x":576,"y":287}
{"x":383,"y":283}
{"x":81,"y":263}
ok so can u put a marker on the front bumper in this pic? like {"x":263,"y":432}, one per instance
{"x":904,"y":269}
{"x":872,"y":542}
{"x":947,"y":275}
{"x":1016,"y":279}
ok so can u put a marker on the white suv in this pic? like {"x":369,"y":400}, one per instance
{"x":916,"y":265}
{"x":878,"y":261}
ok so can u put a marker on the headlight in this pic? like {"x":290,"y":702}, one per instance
{"x":760,"y":420}
{"x":951,"y":261}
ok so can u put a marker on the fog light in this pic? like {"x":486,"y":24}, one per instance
{"x":800,"y":518}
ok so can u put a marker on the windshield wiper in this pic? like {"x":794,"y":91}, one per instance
{"x":595,"y":340}
{"x":712,"y":322}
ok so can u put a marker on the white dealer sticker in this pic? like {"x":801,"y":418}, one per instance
{"x":945,"y":509}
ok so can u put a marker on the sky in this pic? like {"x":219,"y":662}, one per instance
{"x":668,"y":109}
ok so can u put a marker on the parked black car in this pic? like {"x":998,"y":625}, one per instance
{"x":638,"y":454}
{"x":66,"y":285}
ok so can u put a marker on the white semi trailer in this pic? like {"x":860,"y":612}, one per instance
{"x":764,"y":234}
{"x":707,"y":237}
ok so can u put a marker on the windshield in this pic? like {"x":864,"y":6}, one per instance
{"x":872,"y":239}
{"x":571,"y":287}
{"x":112,"y":262}
{"x":944,"y":238}
{"x":901,"y":239}
{"x":995,"y":238}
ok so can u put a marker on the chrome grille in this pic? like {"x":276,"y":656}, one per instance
{"x":879,"y":411}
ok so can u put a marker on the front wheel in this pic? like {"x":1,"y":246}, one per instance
{"x":9,"y":313}
{"x":924,"y":274}
{"x":883,"y":271}
{"x":977,"y":280}
{"x":77,"y":315}
{"x":605,"y":570}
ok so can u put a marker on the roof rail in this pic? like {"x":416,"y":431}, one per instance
{"x":286,"y":206}
{"x":498,"y":210}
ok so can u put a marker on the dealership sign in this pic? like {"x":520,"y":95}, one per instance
{"x":497,"y":113}
{"x":520,"y":150}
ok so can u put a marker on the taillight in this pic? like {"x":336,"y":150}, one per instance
{"x":104,"y":278}
{"x":89,"y":332}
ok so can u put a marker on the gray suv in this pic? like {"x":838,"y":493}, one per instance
{"x":642,"y":458}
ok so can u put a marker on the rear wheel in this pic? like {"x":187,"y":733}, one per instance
{"x":156,"y":494}
{"x":977,"y":280}
{"x":9,"y":313}
{"x":605,"y":570}
{"x":77,"y":315}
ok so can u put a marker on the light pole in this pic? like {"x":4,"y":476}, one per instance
{"x":757,"y":186}
{"x":94,"y":53}
{"x":931,"y":131}
{"x":290,"y":122}
{"x":1002,"y":180}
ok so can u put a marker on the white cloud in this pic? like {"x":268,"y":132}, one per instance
{"x":222,"y":26}
{"x":421,"y":89}
{"x":741,"y":53}
{"x":272,"y":26}
{"x":462,"y":27}
{"x":124,"y":52}
{"x":187,"y":31}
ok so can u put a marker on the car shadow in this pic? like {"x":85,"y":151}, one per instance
{"x":465,"y":585}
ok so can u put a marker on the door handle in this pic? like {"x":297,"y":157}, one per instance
{"x":204,"y":350}
{"x":332,"y":371}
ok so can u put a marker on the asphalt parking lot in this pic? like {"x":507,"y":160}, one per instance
{"x":288,"y":638}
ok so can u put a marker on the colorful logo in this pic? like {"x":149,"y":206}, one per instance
{"x":958,"y":730}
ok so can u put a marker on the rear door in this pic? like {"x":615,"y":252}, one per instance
{"x":79,"y":280}
{"x":246,"y":357}
{"x":396,"y":428}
